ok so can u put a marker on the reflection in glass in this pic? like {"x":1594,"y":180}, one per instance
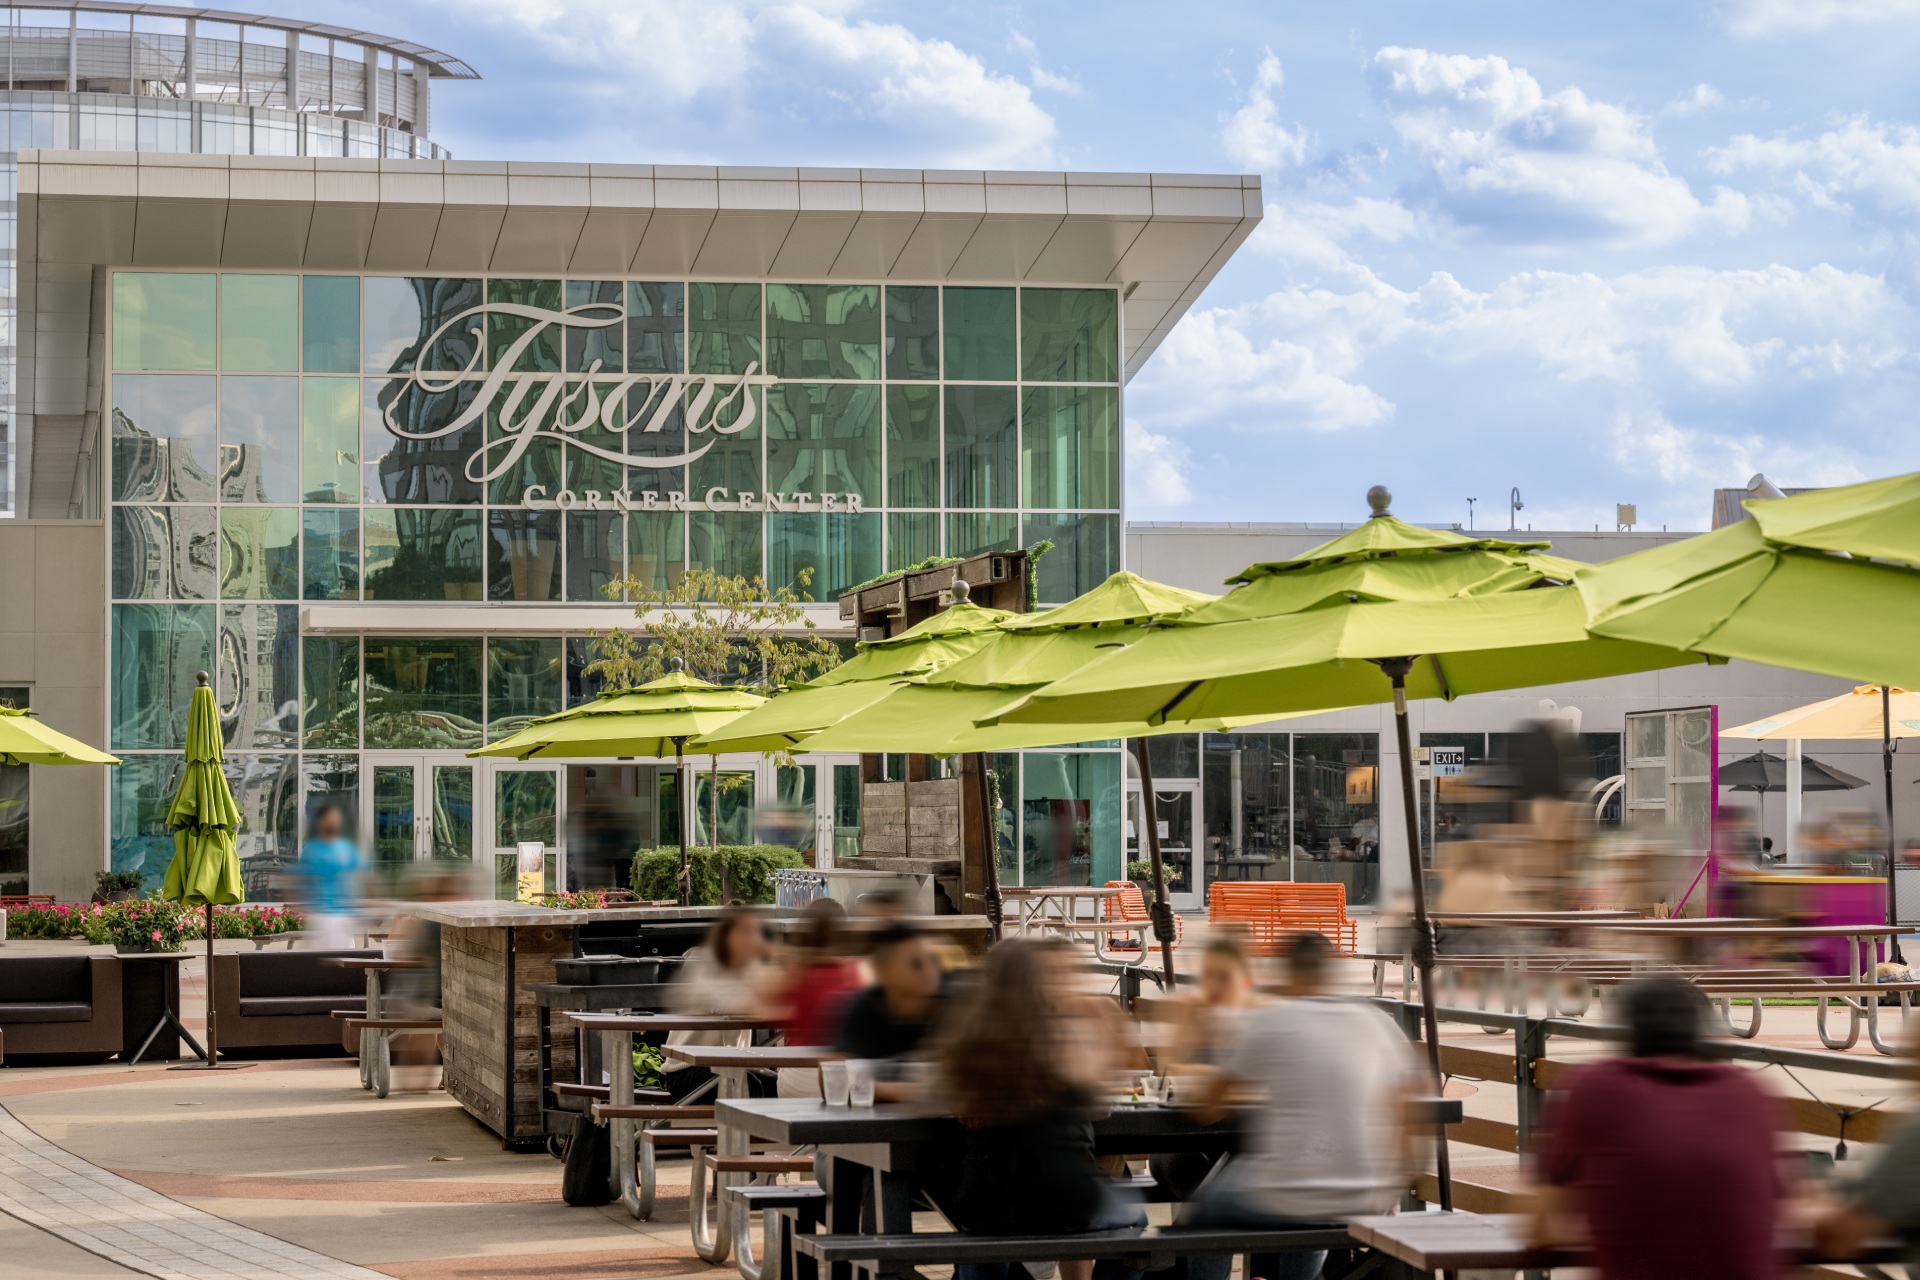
{"x":912,"y":536}
{"x":1003,"y":782}
{"x":259,"y":674}
{"x":595,"y":554}
{"x":259,"y":323}
{"x":1336,"y":811}
{"x":587,"y":468}
{"x":656,"y":327}
{"x":157,"y":648}
{"x":162,"y":320}
{"x":333,"y":780}
{"x":421,"y":553}
{"x":656,"y":548}
{"x":734,"y":791}
{"x":1070,"y":810}
{"x":163,"y":439}
{"x":393,"y":815}
{"x":523,"y":555}
{"x":723,"y":327}
{"x":913,"y":446}
{"x":823,"y":438}
{"x":138,"y":835}
{"x":330,"y":691}
{"x":330,"y":439}
{"x":402,"y":313}
{"x":823,"y":330}
{"x":1086,"y":549}
{"x":526,"y":807}
{"x":841,"y":549}
{"x":732,"y":461}
{"x":979,"y":335}
{"x":913,"y":331}
{"x":266,"y":788}
{"x":330,"y":553}
{"x":417,"y":464}
{"x":791,"y":820}
{"x":422,"y":693}
{"x":260,"y":553}
{"x":982,"y":446}
{"x":258,"y":421}
{"x":1069,"y":335}
{"x":450,"y":838}
{"x":544,"y":342}
{"x":581,"y":654}
{"x":15,"y":815}
{"x":971,"y":532}
{"x":727,"y":542}
{"x":538,"y":463}
{"x":1070,"y":446}
{"x":526,"y":679}
{"x":670,"y":441}
{"x":604,"y":347}
{"x":330,"y":324}
{"x":164,"y":553}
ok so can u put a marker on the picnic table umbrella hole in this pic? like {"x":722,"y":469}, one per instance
{"x":205,"y":870}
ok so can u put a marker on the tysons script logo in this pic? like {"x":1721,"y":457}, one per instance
{"x":536,"y":405}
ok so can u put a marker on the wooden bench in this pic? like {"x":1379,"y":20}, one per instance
{"x":1272,"y":911}
{"x":376,"y":1046}
{"x":1144,"y":1248}
{"x":652,"y":1109}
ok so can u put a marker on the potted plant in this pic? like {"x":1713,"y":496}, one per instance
{"x":117,"y":886}
{"x":146,"y":924}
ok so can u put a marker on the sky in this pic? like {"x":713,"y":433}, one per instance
{"x":1600,"y":254}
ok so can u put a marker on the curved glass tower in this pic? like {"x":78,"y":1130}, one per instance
{"x":106,"y":75}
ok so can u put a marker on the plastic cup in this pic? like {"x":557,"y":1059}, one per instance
{"x":860,"y":1080}
{"x":833,"y":1083}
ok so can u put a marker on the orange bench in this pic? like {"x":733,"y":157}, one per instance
{"x":1273,"y":910}
{"x":1129,"y":906}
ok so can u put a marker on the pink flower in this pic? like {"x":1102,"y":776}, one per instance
{"x":156,"y":935}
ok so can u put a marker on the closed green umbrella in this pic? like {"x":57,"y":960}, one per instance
{"x":205,"y":870}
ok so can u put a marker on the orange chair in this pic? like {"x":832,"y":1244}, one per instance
{"x":1129,"y":906}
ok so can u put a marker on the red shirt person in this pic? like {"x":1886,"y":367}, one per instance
{"x":1673,"y":1164}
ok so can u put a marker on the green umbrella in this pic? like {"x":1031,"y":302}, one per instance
{"x":655,"y":720}
{"x":205,"y":870}
{"x":875,"y":672}
{"x":24,"y":740}
{"x":1385,"y":611}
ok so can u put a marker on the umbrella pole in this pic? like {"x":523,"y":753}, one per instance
{"x":995,"y":902}
{"x":1886,"y":768}
{"x":1423,"y":938}
{"x":1161,"y":912}
{"x":213,"y":1046}
{"x":686,"y":812}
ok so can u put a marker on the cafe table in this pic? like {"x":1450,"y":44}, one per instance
{"x":731,"y":1066}
{"x":374,"y":968}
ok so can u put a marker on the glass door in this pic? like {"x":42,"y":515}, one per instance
{"x":1176,"y":802}
{"x":422,"y":810}
{"x":527,"y":807}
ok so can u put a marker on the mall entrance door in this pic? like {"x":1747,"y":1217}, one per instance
{"x":1176,"y":806}
{"x":420,"y":809}
{"x":526,"y":802}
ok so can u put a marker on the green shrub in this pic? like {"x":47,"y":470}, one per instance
{"x":749,"y":867}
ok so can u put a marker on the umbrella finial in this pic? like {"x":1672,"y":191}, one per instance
{"x":1378,"y":498}
{"x":200,"y":678}
{"x":676,"y":664}
{"x":961,"y":591}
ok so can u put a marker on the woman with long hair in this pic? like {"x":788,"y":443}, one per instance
{"x":728,"y":973}
{"x":1024,"y":1067}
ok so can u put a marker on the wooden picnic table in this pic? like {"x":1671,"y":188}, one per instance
{"x":1432,"y":1243}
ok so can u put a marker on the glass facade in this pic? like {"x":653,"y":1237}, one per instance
{"x":280,"y":441}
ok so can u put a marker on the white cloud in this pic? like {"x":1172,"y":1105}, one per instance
{"x":1256,"y":369}
{"x":808,"y":66}
{"x":1507,"y":159}
{"x":1703,"y":98}
{"x":1253,"y":135}
{"x":1860,"y":162}
{"x":1156,"y":470}
{"x":1646,"y":441}
{"x":1039,"y":76}
{"x":1761,"y":18}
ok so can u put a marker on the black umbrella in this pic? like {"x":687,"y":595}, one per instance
{"x":1762,"y":773}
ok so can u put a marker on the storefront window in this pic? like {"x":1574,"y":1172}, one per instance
{"x":1336,"y":811}
{"x":163,"y":439}
{"x":732,"y":458}
{"x":656,"y":327}
{"x":260,"y":553}
{"x":913,"y":447}
{"x":971,"y":533}
{"x":1070,"y":335}
{"x":1070,"y":446}
{"x":267,"y":791}
{"x":163,"y":320}
{"x":330,"y":780}
{"x":546,"y":350}
{"x":421,"y":462}
{"x":656,"y":548}
{"x":595,"y":555}
{"x":1248,"y":806}
{"x":1086,"y":549}
{"x":260,"y":323}
{"x":401,"y":314}
{"x":824,"y":438}
{"x":823,"y":330}
{"x":330,"y":691}
{"x":525,"y":680}
{"x":422,"y":693}
{"x":982,"y":447}
{"x":157,"y":648}
{"x":523,"y":555}
{"x":913,"y":331}
{"x":141,"y":790}
{"x":602,"y":347}
{"x":912,"y":537}
{"x":422,"y":554}
{"x":165,"y":553}
{"x":1070,"y":805}
{"x":979,"y":335}
{"x":539,"y":464}
{"x":735,"y":809}
{"x":791,"y":819}
{"x":258,"y":684}
{"x":330,"y":324}
{"x":727,"y":542}
{"x":841,"y":549}
{"x":258,"y":420}
{"x":330,"y":439}
{"x":330,"y":553}
{"x":723,"y":327}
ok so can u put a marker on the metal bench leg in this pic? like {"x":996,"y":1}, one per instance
{"x":711,"y":1239}
{"x":382,"y":1070}
{"x":366,"y":1057}
{"x":1873,"y":1024}
{"x":1752,"y":1028}
{"x":1853,"y":1021}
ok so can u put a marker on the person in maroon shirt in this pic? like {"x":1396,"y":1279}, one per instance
{"x":1673,"y":1164}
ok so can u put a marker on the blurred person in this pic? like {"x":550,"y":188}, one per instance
{"x":1204,"y":1035}
{"x":1882,"y":1201}
{"x":728,"y":974}
{"x":1327,"y":1139}
{"x":889,"y":1021}
{"x":812,"y":997}
{"x":1024,"y":1068}
{"x":331,"y":865}
{"x":1737,"y":856}
{"x":1670,"y":1164}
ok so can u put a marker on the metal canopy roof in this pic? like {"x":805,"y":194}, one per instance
{"x":438,"y":64}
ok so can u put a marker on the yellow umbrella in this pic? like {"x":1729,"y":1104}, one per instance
{"x":24,"y":740}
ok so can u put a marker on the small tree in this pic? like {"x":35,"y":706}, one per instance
{"x":723,"y":629}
